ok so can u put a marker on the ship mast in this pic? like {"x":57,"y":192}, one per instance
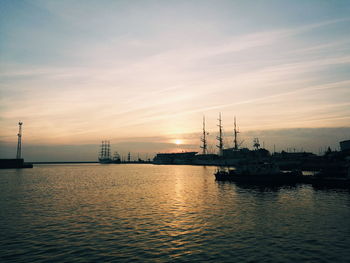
{"x":108,"y":150}
{"x":219,"y":138}
{"x":102,"y":149}
{"x":19,"y":143}
{"x":204,"y":138}
{"x":235,"y":133}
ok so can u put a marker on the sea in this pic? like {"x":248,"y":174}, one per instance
{"x":165,"y":213}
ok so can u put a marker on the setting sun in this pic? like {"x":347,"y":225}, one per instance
{"x":177,"y":142}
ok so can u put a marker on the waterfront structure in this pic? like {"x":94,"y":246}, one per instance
{"x":236,"y":156}
{"x":174,"y":158}
{"x":345,"y":145}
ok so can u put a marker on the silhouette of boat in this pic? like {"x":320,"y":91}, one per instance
{"x":258,"y":173}
{"x":105,"y":154}
{"x":116,"y":159}
{"x":338,"y":178}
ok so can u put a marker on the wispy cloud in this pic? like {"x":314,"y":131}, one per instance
{"x":101,"y":72}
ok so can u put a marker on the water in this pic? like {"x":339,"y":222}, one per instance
{"x":140,"y":213}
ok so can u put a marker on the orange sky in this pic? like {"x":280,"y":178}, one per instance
{"x":76,"y":72}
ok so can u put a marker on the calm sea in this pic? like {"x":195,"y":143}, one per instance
{"x":147,"y":213}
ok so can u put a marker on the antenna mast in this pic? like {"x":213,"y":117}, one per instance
{"x":204,"y":138}
{"x":19,"y":143}
{"x":235,"y":133}
{"x":219,"y":138}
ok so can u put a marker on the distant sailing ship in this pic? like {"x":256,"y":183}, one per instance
{"x":105,"y":154}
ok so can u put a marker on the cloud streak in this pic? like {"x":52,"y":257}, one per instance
{"x":153,"y":71}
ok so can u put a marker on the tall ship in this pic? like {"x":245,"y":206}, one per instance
{"x":105,"y":154}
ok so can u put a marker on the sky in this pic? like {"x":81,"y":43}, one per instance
{"x":142,"y":74}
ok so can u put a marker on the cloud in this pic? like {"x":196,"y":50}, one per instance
{"x":135,"y":75}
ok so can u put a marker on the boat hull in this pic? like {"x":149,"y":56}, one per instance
{"x":272,"y":179}
{"x":287,"y":178}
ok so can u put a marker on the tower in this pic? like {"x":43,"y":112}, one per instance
{"x":19,"y":143}
{"x":219,"y":138}
{"x":204,"y":138}
{"x":235,"y":133}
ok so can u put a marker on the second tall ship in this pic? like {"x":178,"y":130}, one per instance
{"x":105,"y":154}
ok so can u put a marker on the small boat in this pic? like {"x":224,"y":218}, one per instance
{"x":258,"y":173}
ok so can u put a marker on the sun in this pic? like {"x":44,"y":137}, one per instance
{"x":178,"y":142}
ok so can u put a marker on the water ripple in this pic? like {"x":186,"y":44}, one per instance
{"x":145,"y":213}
